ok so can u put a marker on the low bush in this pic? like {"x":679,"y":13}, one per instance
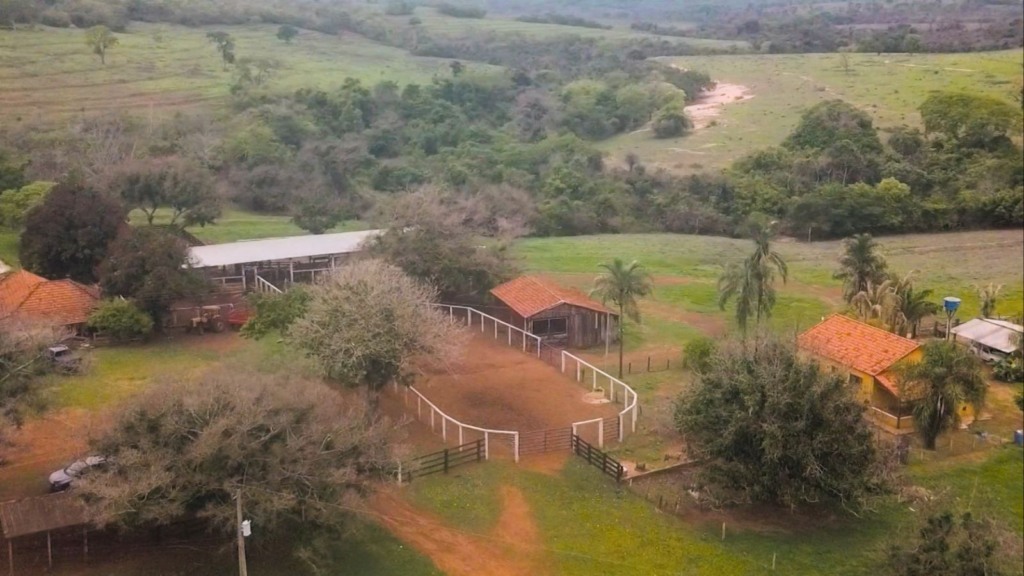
{"x":121,"y":320}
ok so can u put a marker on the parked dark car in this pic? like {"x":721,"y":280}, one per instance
{"x":64,"y":359}
{"x":63,"y":478}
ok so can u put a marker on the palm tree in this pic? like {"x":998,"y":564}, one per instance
{"x":988,"y":296}
{"x":622,"y":285}
{"x":859,"y":264}
{"x":877,"y":301}
{"x":946,"y":377}
{"x":914,"y":307}
{"x":752,"y":283}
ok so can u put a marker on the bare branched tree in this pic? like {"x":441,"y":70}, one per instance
{"x":295,"y":448}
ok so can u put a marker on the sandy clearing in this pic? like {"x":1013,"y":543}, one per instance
{"x":710,"y":103}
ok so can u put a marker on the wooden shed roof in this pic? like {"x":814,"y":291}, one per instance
{"x":40,"y":514}
{"x":530,"y":295}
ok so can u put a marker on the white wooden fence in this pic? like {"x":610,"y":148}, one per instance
{"x":437,"y":415}
{"x":516,"y":337}
{"x":615,"y":391}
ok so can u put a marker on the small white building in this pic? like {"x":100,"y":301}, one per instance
{"x":252,"y":264}
{"x":992,"y":340}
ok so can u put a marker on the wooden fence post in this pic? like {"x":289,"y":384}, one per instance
{"x":600,"y":433}
{"x":445,"y":460}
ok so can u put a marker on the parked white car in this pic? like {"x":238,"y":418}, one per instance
{"x":62,"y":479}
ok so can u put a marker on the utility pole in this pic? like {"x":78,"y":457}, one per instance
{"x":241,"y":537}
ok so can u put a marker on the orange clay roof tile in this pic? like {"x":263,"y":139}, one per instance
{"x":530,"y":295}
{"x":64,"y":301}
{"x":855,"y":344}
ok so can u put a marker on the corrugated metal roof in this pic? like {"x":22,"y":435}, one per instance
{"x":996,"y":334}
{"x":269,"y":249}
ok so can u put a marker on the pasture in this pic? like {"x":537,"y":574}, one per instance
{"x":437,"y":24}
{"x":49,"y":74}
{"x":890,"y":87}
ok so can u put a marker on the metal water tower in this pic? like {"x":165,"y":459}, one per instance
{"x":950,"y":304}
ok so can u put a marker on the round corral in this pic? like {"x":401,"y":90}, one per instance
{"x":498,"y":387}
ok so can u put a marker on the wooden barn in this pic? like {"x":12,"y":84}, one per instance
{"x":559,"y":315}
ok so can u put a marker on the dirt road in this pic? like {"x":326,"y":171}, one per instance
{"x":512,"y":548}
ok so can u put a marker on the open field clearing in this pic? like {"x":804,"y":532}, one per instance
{"x":235,"y":225}
{"x":439,"y":24}
{"x":49,"y":74}
{"x":890,"y":87}
{"x":686,"y":268}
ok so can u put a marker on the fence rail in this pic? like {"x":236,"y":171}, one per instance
{"x":542,"y":441}
{"x":598,"y":459}
{"x":438,"y":419}
{"x":515,"y":337}
{"x":265,"y":287}
{"x":441,"y":461}
{"x":616,"y":389}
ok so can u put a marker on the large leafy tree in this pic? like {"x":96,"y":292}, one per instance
{"x":622,"y":285}
{"x":295,"y":449}
{"x":947,"y":377}
{"x":68,"y":235}
{"x":370,"y":324}
{"x":773,"y":428}
{"x":860,"y":265}
{"x":150,"y":266}
{"x":970,"y":120}
{"x":100,"y":39}
{"x":187,"y":190}
{"x":457,"y":244}
{"x":752,"y":282}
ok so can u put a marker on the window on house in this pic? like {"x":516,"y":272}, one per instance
{"x":854,"y":379}
{"x":551,"y":326}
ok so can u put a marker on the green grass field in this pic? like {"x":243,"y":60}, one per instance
{"x":49,"y":74}
{"x":234,"y":225}
{"x":687,"y":267}
{"x":437,"y":24}
{"x":590,"y":526}
{"x":889,"y":86}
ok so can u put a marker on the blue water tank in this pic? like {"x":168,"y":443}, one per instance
{"x":1018,"y":437}
{"x":950,"y":304}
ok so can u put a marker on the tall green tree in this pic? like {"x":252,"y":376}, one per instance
{"x":988,"y":296}
{"x":186,"y":189}
{"x":752,"y":283}
{"x":287,"y":33}
{"x":774,"y":428}
{"x":914,"y":306}
{"x":69,"y":234}
{"x":623,"y":284}
{"x":860,"y":265}
{"x":947,"y":377}
{"x":225,"y":46}
{"x":149,"y":266}
{"x":100,"y":38}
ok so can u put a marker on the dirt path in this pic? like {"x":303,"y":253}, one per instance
{"x":513,"y":548}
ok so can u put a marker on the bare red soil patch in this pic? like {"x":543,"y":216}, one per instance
{"x":512,"y":549}
{"x":498,"y":387}
{"x":43,"y":445}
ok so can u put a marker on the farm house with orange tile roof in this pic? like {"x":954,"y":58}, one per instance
{"x":27,"y":297}
{"x":865,"y":356}
{"x":559,"y":315}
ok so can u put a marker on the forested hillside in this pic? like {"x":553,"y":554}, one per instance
{"x":513,"y":121}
